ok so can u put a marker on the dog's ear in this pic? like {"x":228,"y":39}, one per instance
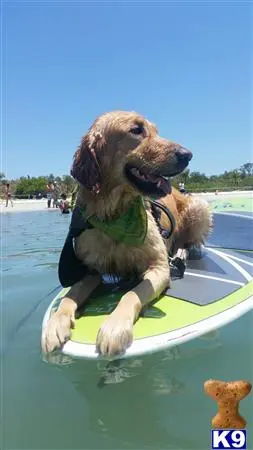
{"x":85,"y":167}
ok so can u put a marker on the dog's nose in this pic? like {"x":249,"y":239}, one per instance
{"x":183,"y":155}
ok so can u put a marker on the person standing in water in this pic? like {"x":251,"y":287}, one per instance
{"x":64,"y":204}
{"x":8,"y":195}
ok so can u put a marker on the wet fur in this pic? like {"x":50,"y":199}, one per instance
{"x":104,"y":190}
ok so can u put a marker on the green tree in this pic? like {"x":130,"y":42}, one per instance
{"x":2,"y":177}
{"x":27,"y":187}
{"x":235,"y":175}
{"x":51,"y":178}
{"x":58,"y":180}
{"x":247,"y":169}
{"x":68,"y":183}
{"x":197,"y":177}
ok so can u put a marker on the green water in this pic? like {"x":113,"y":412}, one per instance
{"x":231,"y":204}
{"x":155,"y":402}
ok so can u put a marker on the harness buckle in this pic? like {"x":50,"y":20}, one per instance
{"x":178,"y":264}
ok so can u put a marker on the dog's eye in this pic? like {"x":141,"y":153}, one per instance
{"x":137,"y":129}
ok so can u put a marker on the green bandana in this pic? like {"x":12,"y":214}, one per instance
{"x":130,"y":228}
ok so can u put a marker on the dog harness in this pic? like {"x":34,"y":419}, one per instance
{"x":129,"y":229}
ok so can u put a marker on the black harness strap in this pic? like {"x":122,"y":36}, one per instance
{"x":176,"y":263}
{"x":156,"y":208}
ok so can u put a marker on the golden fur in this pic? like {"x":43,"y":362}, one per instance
{"x":104,"y":190}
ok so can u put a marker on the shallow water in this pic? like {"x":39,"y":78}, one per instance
{"x":154,"y":402}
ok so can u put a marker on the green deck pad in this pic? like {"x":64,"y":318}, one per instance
{"x":165,"y":315}
{"x":231,"y":204}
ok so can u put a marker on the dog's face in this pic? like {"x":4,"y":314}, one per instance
{"x":125,"y":148}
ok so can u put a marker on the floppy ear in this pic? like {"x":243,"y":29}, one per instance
{"x":85,"y":167}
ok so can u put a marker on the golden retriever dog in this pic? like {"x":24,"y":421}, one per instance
{"x":128,"y":221}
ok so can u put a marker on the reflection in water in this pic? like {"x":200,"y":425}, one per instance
{"x":122,"y":400}
{"x":157,"y":401}
{"x":126,"y":397}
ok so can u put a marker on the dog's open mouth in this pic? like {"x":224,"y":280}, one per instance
{"x":148,"y":183}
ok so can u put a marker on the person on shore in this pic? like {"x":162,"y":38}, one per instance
{"x":64,"y":204}
{"x":181,"y":187}
{"x":50,"y":190}
{"x":55,"y":195}
{"x":8,"y":196}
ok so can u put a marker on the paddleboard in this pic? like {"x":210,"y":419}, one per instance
{"x":216,"y":289}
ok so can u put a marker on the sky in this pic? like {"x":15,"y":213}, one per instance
{"x":186,"y":66}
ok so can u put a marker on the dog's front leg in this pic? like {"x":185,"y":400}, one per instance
{"x":116,"y":333}
{"x":58,"y":328}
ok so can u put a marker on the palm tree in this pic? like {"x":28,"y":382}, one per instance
{"x":51,"y":178}
{"x":185,"y":175}
{"x":247,"y":169}
{"x":68,"y":183}
{"x":235,"y":177}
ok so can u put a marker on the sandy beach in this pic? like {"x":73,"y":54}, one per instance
{"x":26,"y":206}
{"x":41,"y":205}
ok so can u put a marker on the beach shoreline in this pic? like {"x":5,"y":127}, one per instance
{"x":25,"y":206}
{"x":41,"y":205}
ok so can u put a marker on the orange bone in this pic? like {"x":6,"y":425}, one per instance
{"x":228,"y":395}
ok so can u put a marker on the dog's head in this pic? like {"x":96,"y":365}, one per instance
{"x":125,"y":148}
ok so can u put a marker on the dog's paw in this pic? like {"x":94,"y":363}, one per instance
{"x":56,"y":332}
{"x":115,"y":335}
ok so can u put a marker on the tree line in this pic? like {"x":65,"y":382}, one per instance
{"x":241,"y":178}
{"x":30,"y":187}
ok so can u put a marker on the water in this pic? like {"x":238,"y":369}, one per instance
{"x":154,"y":402}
